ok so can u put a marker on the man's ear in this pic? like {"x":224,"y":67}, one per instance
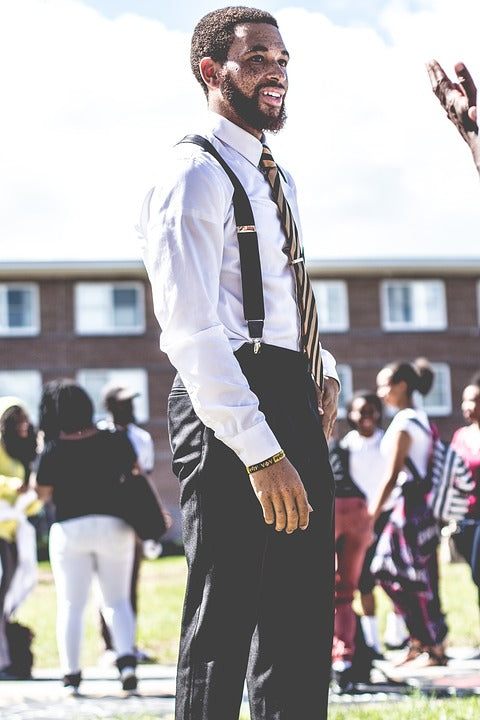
{"x":209,"y":70}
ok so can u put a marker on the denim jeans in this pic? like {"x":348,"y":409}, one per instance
{"x":259,"y":603}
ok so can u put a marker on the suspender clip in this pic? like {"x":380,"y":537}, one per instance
{"x":257,"y":344}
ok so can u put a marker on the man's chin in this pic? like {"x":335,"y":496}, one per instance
{"x":274,"y":124}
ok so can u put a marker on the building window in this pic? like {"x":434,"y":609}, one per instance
{"x":346,"y":392}
{"x":331,"y":297}
{"x":95,"y":379}
{"x":413,"y":305}
{"x":438,"y":402}
{"x":478,"y":301}
{"x":109,"y":308}
{"x":19,"y":309}
{"x":26,"y":385}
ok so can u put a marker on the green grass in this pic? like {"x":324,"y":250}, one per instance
{"x":416,"y":708}
{"x":161,"y":588}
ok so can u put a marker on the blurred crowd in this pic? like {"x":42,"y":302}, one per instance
{"x":386,"y":532}
{"x":63,"y":478}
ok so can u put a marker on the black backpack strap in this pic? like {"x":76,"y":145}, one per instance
{"x":428,"y":431}
{"x":251,"y":272}
{"x":409,"y":462}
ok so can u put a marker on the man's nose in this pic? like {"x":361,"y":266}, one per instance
{"x":277,"y":71}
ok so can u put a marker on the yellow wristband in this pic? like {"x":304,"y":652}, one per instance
{"x":266,"y":463}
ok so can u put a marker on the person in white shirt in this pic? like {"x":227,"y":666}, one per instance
{"x":245,"y":425}
{"x":459,"y":100}
{"x":118,"y":400}
{"x":358,"y":468}
{"x":405,"y":562}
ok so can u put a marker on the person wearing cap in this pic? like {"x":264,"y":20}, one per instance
{"x":118,"y":400}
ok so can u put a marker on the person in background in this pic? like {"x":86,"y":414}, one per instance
{"x":48,"y":430}
{"x":357,"y":467}
{"x":367,"y":468}
{"x":18,"y":502}
{"x":81,"y":469}
{"x":118,"y":401}
{"x":405,"y":561}
{"x":466,"y":441}
{"x":459,"y":100}
{"x":18,"y":440}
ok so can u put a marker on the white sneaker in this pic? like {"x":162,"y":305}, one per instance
{"x":396,"y":634}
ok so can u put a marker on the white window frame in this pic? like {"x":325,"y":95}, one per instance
{"x":478,"y":303}
{"x":319,"y":289}
{"x":16,"y":382}
{"x":135,"y":378}
{"x":110,"y":329}
{"x":30,"y":330}
{"x":346,"y":391}
{"x":441,"y":370}
{"x":415,"y":325}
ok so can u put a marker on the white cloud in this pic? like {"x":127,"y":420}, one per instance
{"x":92,"y":103}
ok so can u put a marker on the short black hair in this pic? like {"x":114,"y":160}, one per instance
{"x":214,"y":34}
{"x":72,"y":405}
{"x":48,"y":415}
{"x":371,"y":398}
{"x":475,"y":379}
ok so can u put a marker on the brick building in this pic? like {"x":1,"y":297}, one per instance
{"x":94,"y":321}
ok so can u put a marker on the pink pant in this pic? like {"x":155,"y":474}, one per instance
{"x":353,"y":536}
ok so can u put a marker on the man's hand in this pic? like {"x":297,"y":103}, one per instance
{"x":282,"y":496}
{"x":459,"y":100}
{"x":328,"y":404}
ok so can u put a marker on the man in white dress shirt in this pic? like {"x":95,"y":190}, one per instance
{"x":245,"y":427}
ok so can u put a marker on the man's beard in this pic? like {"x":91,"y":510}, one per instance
{"x":248,"y":108}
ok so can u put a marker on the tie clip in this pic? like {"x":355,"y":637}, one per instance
{"x":246,"y":229}
{"x":298,"y":260}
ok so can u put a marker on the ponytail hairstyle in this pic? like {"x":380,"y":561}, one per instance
{"x":418,"y":375}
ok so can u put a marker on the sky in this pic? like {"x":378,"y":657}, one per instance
{"x":95,"y":91}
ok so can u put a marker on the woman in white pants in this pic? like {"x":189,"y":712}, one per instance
{"x":81,"y":469}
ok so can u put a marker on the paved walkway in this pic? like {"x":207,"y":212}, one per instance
{"x":41,"y":698}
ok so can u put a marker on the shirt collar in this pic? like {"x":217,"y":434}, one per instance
{"x":240,"y":140}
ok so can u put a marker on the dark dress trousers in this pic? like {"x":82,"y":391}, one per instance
{"x":259,"y":603}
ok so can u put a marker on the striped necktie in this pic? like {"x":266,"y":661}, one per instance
{"x":305,"y":296}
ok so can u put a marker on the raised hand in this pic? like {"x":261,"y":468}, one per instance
{"x":459,"y":100}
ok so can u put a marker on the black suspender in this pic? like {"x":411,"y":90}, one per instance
{"x":251,"y":272}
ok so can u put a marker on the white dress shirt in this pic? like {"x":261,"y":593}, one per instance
{"x":190,"y":251}
{"x":143,"y":445}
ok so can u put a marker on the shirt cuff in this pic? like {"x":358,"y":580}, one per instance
{"x":329,"y":366}
{"x":255,"y":444}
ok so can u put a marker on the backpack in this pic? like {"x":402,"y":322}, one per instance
{"x":19,"y":639}
{"x":450,"y":479}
